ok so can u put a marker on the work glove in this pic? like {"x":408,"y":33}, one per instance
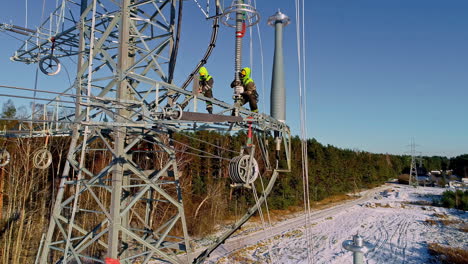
{"x":238,"y":90}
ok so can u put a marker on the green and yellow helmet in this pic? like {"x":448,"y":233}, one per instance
{"x":204,"y":75}
{"x":245,"y":75}
{"x":246,"y":72}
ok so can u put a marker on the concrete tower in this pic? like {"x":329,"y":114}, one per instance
{"x":278,"y":91}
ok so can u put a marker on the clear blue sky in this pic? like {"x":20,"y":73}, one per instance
{"x":378,"y":72}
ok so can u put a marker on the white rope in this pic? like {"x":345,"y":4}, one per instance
{"x":304,"y":81}
{"x":201,"y":8}
{"x":260,"y":212}
{"x":266,"y":202}
{"x":43,"y":9}
{"x":26,"y":16}
{"x":36,"y":79}
{"x":304,"y":66}
{"x":300,"y":41}
{"x":265,"y":227}
{"x":60,"y":18}
{"x":26,"y":22}
{"x":268,"y":227}
{"x":251,"y":48}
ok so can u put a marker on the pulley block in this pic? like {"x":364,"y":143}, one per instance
{"x":50,"y":65}
{"x":243,"y":169}
{"x":42,"y":158}
{"x":4,"y":157}
{"x":174,"y":113}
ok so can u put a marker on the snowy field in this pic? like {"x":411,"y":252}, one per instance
{"x":392,"y":217}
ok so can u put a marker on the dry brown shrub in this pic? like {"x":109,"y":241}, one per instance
{"x":420,"y":202}
{"x":382,"y":205}
{"x":443,"y":215}
{"x":450,"y":222}
{"x":443,"y":222}
{"x":464,"y":228}
{"x":449,"y":254}
{"x":431,"y":222}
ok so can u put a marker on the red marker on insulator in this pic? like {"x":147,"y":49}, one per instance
{"x":249,"y":133}
{"x":241,"y":34}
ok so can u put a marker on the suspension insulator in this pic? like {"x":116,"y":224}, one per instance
{"x":240,"y":171}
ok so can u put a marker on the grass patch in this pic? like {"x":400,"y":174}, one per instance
{"x":281,"y":215}
{"x":464,"y":228}
{"x":443,"y":216}
{"x":443,"y":222}
{"x":327,"y":202}
{"x":382,"y":205}
{"x":419,"y":202}
{"x":278,"y":215}
{"x":431,"y":222}
{"x":449,"y":254}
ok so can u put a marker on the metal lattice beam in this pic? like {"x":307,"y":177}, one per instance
{"x":124,"y":49}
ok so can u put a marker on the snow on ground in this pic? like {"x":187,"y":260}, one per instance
{"x":393,"y":218}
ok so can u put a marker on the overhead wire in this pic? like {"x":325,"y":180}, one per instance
{"x":203,"y":141}
{"x":202,"y":151}
{"x":11,"y":35}
{"x":265,"y":227}
{"x":26,"y":16}
{"x":251,"y":47}
{"x":251,"y":50}
{"x":209,"y":50}
{"x":36,"y":78}
{"x":304,"y":81}
{"x":262,"y":61}
{"x":300,"y":42}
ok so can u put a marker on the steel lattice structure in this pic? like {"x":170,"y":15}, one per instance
{"x":126,"y":52}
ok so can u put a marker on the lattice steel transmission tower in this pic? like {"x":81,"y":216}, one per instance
{"x":126,"y":54}
{"x":413,"y":175}
{"x":122,"y":47}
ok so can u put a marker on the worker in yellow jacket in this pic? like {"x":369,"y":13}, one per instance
{"x":250,"y":90}
{"x":205,"y":84}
